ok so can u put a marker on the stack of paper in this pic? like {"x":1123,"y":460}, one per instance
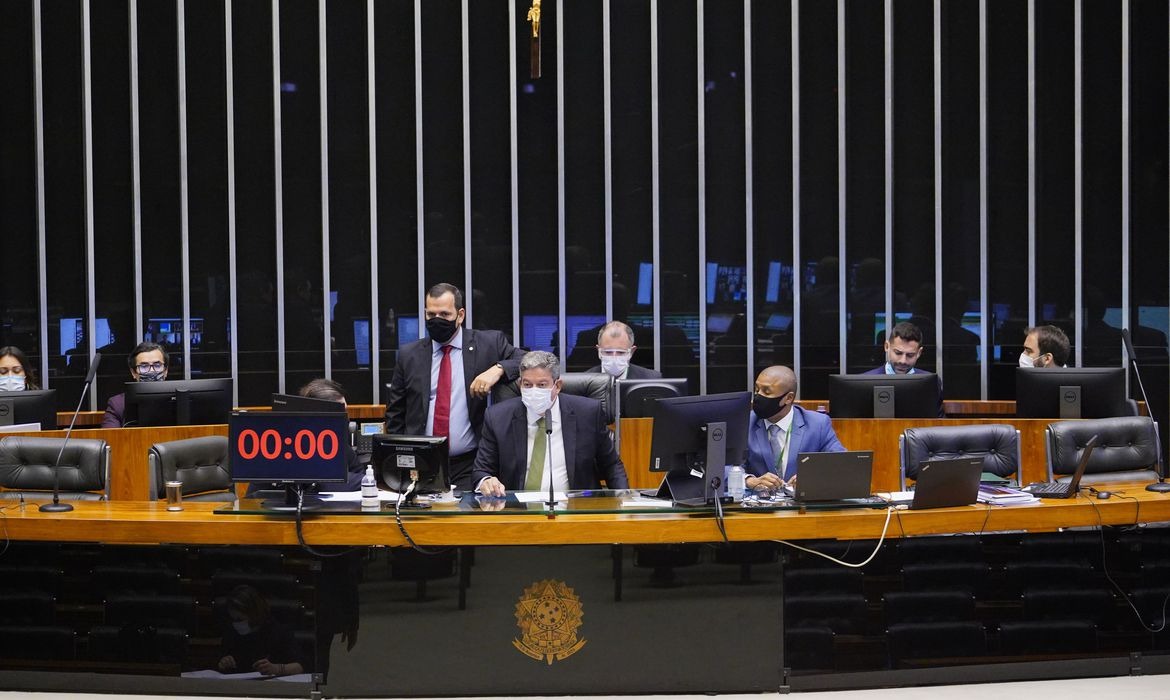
{"x":1004,"y":496}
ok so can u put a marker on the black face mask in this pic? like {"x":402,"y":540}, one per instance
{"x":767,"y":406}
{"x":440,"y":329}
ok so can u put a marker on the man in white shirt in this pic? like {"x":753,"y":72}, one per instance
{"x":545,"y":435}
{"x":615,"y":347}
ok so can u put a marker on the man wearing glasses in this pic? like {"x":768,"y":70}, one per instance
{"x":615,"y":347}
{"x":148,"y":363}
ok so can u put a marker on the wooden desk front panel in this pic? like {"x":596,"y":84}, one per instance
{"x":877,"y":434}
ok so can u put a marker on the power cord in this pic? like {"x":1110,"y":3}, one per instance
{"x":402,"y":528}
{"x":301,"y":534}
{"x":1108,"y":577}
{"x":876,"y":549}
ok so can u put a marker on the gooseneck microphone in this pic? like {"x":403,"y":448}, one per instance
{"x":57,"y":506}
{"x":1161,"y":485}
{"x":552,"y":498}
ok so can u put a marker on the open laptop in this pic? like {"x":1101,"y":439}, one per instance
{"x":945,"y":483}
{"x":1056,"y":489}
{"x":833,"y":476}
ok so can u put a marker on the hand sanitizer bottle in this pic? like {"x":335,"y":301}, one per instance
{"x":369,"y":489}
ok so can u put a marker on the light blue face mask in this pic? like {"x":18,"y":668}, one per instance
{"x":12,"y":382}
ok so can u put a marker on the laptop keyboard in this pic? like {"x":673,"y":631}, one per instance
{"x":1047,"y":488}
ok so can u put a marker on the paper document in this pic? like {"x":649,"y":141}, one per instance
{"x":539,"y":496}
{"x":356,"y":496}
{"x":645,"y":503}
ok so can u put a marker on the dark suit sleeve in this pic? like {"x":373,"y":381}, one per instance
{"x":609,"y":464}
{"x":487,"y":457}
{"x":509,"y":358}
{"x":396,"y":400}
{"x":115,"y":407}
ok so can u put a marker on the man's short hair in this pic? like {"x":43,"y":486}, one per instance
{"x":446,"y":288}
{"x":612,"y":328}
{"x":906,"y":331}
{"x":539,"y":359}
{"x":1050,"y":339}
{"x":322,"y":388}
{"x":146,"y":346}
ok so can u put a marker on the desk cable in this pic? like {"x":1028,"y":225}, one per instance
{"x":301,"y":534}
{"x":877,"y":548}
{"x":402,"y":528}
{"x":1105,"y":569}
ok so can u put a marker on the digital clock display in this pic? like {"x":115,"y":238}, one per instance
{"x":286,"y":447}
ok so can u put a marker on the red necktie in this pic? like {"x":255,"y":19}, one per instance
{"x":442,"y":422}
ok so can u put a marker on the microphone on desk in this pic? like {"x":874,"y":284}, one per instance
{"x":1160,"y":486}
{"x":552,"y":498}
{"x":57,"y":506}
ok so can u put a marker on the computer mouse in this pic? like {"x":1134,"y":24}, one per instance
{"x":1104,"y":494}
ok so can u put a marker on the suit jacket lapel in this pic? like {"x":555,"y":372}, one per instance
{"x":519,"y":462}
{"x":568,"y":438}
{"x":795,"y":444}
{"x":469,"y":351}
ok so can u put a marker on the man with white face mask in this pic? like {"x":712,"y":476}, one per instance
{"x":615,"y":347}
{"x":545,"y":435}
{"x":1044,"y":346}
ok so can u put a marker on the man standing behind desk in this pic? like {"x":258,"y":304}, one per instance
{"x":780,"y":430}
{"x":514,"y":453}
{"x":441,"y":383}
{"x":615,"y":347}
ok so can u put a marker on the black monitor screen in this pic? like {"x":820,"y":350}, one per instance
{"x":871,"y":395}
{"x":1071,"y":392}
{"x":183,"y":402}
{"x":288,"y":448}
{"x":396,"y":456}
{"x":295,"y":403}
{"x":20,"y":407}
{"x":679,"y":440}
{"x":636,"y":397}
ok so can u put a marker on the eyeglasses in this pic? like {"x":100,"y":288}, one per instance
{"x":149,"y":366}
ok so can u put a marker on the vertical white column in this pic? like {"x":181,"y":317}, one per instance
{"x":230,"y":127}
{"x":797,"y":277}
{"x":888,"y":71}
{"x":607,"y":116}
{"x":1031,"y":163}
{"x":748,"y":186}
{"x":1078,"y":184}
{"x":420,"y":211}
{"x":655,"y":194}
{"x":514,"y":172}
{"x":87,"y":155}
{"x":561,"y":269}
{"x":1126,"y":298}
{"x":985,"y":359}
{"x":136,"y":171}
{"x":842,"y":266}
{"x":42,"y":247}
{"x":278,"y":188}
{"x":468,"y":284}
{"x":184,"y":218}
{"x":701,"y":189}
{"x":323,"y":100}
{"x":372,"y":135}
{"x":938,"y":190}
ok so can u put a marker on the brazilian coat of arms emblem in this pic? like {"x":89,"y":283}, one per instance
{"x":548,"y":615}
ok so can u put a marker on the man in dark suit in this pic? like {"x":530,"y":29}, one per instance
{"x":780,"y":430}
{"x":545,"y":435}
{"x":615,"y":347}
{"x":441,"y":382}
{"x":903,"y":350}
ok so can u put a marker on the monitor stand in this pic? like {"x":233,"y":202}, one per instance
{"x":687,"y":489}
{"x":292,"y":494}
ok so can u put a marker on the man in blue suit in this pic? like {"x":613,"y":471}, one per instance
{"x":780,"y":430}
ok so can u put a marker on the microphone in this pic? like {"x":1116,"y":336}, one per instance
{"x":552,"y":498}
{"x":57,"y":506}
{"x":1161,"y":485}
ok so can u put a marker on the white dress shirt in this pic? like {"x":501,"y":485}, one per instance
{"x":461,"y":438}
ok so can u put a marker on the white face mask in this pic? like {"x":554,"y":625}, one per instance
{"x":242,"y":627}
{"x":536,"y":400}
{"x":614,"y":364}
{"x":1026,"y":360}
{"x":12,"y":382}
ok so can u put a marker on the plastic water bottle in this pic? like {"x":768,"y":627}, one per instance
{"x":736,"y":482}
{"x":369,"y":489}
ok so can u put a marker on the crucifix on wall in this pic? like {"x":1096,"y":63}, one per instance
{"x":534,"y":56}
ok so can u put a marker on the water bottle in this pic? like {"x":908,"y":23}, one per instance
{"x":736,"y":483}
{"x":369,"y":489}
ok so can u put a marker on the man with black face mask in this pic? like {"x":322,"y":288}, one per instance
{"x":441,"y":383}
{"x":148,"y":362}
{"x":780,"y":430}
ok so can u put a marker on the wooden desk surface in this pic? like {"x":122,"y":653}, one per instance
{"x":150,"y":522}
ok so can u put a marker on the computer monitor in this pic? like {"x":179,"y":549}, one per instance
{"x":884,"y":395}
{"x":361,"y":341}
{"x":636,"y":397}
{"x":1071,"y":392}
{"x":298,"y":404}
{"x":645,"y":284}
{"x":21,"y":407}
{"x":698,"y":435}
{"x":182,"y":402}
{"x":401,"y":459}
{"x":292,"y":449}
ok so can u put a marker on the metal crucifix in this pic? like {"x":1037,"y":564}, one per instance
{"x":534,"y":18}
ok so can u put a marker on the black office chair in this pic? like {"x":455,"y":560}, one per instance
{"x":137,"y":643}
{"x":1068,"y":603}
{"x":940,"y":548}
{"x":823,"y":580}
{"x":809,"y":648}
{"x":201,"y":463}
{"x":595,"y":385}
{"x":946,"y":576}
{"x":27,"y":465}
{"x":844,"y":613}
{"x":38,"y":642}
{"x":1127,"y":449}
{"x":107,"y":579}
{"x":998,"y":444}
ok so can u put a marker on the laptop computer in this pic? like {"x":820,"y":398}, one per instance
{"x":833,"y":476}
{"x":946,"y":483}
{"x":1056,"y":489}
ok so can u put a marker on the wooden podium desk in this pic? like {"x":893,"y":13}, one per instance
{"x":877,"y":434}
{"x":139,"y":522}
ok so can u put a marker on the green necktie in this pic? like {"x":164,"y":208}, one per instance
{"x":536,"y":464}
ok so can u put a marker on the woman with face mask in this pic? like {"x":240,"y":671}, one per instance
{"x":253,"y":641}
{"x":16,"y":374}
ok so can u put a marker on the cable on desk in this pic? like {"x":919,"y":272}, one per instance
{"x":1108,"y":577}
{"x":402,"y":528}
{"x":719,"y":510}
{"x":876,"y":549}
{"x":301,"y":534}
